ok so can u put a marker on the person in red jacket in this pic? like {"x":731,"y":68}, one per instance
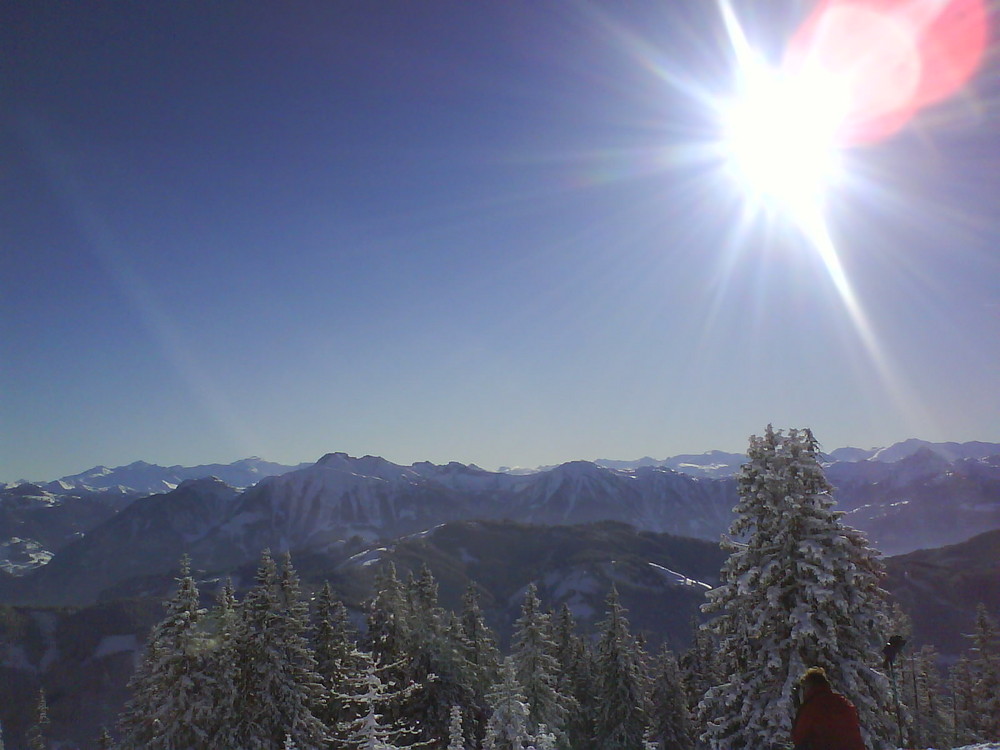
{"x":826,"y":720}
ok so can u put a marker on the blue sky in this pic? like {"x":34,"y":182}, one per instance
{"x":482,"y":232}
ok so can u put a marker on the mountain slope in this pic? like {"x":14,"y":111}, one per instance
{"x":940,"y":588}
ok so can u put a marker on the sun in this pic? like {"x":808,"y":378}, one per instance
{"x":780,"y":137}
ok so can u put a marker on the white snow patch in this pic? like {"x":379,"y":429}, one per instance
{"x":679,"y":578}
{"x":366,"y":558}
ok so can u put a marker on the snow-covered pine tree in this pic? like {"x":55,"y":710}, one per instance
{"x":104,"y":741}
{"x":670,"y":727}
{"x":221,"y":626}
{"x":543,"y":740}
{"x":699,"y":668}
{"x":575,"y":679}
{"x":173,"y":686}
{"x":798,"y":589}
{"x":456,"y":737}
{"x":37,"y":733}
{"x":337,"y":657}
{"x":507,"y":728}
{"x":965,"y":712}
{"x":537,"y":668}
{"x":985,"y":668}
{"x":934,"y":717}
{"x":375,"y":701}
{"x":483,"y":658}
{"x":436,"y":663}
{"x":620,"y":683}
{"x":277,"y":684}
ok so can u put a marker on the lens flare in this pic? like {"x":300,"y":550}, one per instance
{"x":895,"y":57}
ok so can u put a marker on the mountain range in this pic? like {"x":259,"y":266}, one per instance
{"x":67,"y":541}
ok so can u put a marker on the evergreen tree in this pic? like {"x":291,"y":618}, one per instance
{"x":37,"y":734}
{"x":537,"y":668}
{"x":172,"y":688}
{"x":965,"y":712}
{"x":575,"y":679}
{"x":482,"y":657}
{"x":223,"y":627}
{"x":436,"y":662}
{"x":456,"y":738}
{"x":935,"y":728}
{"x":337,"y":657}
{"x":543,"y":740}
{"x":699,"y":666}
{"x":622,"y":711}
{"x":375,"y":700}
{"x":507,"y":728}
{"x":798,"y":589}
{"x":104,"y":742}
{"x":671,"y":727}
{"x":277,"y":684}
{"x":985,"y":669}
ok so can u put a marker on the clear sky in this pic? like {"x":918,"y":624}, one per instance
{"x":482,"y":232}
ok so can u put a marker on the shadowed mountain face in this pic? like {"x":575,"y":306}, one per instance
{"x":940,"y":588}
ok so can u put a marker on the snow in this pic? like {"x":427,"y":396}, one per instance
{"x":19,"y":556}
{"x":681,"y":579}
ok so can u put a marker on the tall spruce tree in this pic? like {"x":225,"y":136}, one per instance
{"x":931,"y":712}
{"x":337,"y":657}
{"x":277,"y":684}
{"x":436,"y":662}
{"x":575,"y":679}
{"x":621,"y":689}
{"x":699,"y":666}
{"x":375,"y":699}
{"x":508,"y":725}
{"x":482,"y":656}
{"x":670,"y":726}
{"x":37,"y":739}
{"x":965,"y":711}
{"x":537,"y":667}
{"x":798,"y":589}
{"x":985,"y":672}
{"x":172,"y":688}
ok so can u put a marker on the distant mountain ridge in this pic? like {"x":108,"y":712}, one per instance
{"x":921,"y":501}
{"x":141,"y":477}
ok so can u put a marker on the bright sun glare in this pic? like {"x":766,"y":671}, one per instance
{"x":780,"y":137}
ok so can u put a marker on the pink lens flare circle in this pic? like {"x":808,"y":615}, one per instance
{"x":894,"y":57}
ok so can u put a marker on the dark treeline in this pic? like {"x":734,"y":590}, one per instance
{"x":274,"y":671}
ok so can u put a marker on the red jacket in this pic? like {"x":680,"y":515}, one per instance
{"x":827,"y":721}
